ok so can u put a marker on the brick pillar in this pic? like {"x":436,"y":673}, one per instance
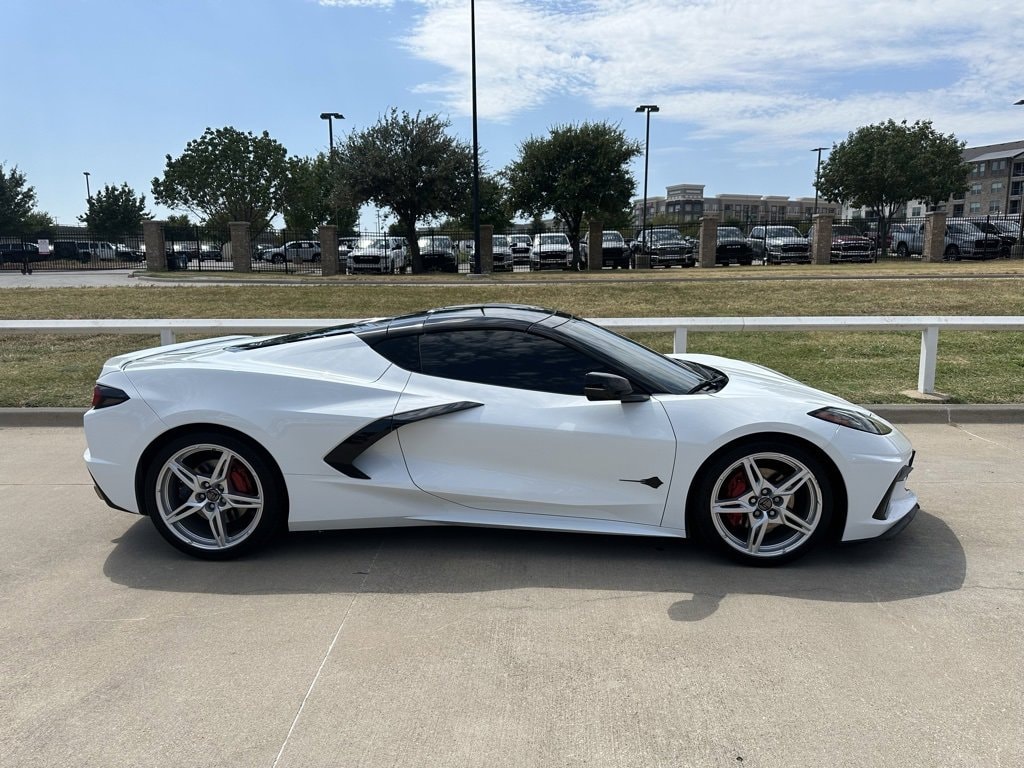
{"x":707,"y":240}
{"x":934,"y":245}
{"x":329,"y":249}
{"x":156,"y":245}
{"x":821,"y":246}
{"x":486,"y":249}
{"x":595,"y":246}
{"x":241,"y":246}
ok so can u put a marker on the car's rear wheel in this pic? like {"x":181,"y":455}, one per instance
{"x":764,"y":503}
{"x":213,"y":496}
{"x":952,"y":253}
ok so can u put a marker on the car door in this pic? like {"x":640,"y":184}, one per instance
{"x":523,"y":438}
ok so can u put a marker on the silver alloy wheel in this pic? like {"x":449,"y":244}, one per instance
{"x":766,"y":505}
{"x":209,"y":497}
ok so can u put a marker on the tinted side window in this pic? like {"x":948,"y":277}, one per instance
{"x":403,"y":351}
{"x":506,"y":359}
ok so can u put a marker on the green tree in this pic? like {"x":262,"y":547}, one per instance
{"x":38,"y":223}
{"x":314,"y":195}
{"x":17,"y":200}
{"x":495,"y":208}
{"x":885,"y":165}
{"x":115,"y":211}
{"x":410,"y":165}
{"x":577,"y":171}
{"x":226,"y":175}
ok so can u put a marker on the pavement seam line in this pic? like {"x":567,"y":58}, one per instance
{"x":327,"y":655}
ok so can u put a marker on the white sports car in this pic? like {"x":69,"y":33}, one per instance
{"x":496,"y":415}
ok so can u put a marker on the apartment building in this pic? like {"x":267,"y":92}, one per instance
{"x":684,"y":203}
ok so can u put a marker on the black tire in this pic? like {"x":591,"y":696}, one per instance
{"x":952,"y":253}
{"x":744,"y":507}
{"x":214,"y":496}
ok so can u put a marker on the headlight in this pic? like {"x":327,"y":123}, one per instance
{"x":862,"y":422}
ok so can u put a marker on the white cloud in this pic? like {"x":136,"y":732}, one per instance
{"x":777,"y":71}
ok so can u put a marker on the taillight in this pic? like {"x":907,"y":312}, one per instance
{"x":104,"y":396}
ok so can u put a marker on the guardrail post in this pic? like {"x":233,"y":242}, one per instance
{"x":929,"y":353}
{"x":166,"y":337}
{"x":679,"y":344}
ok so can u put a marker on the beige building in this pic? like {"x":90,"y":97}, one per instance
{"x":685,"y":203}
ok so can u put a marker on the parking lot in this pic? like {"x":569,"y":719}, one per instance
{"x":468,"y":647}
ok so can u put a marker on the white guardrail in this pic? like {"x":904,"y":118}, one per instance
{"x":928,"y":326}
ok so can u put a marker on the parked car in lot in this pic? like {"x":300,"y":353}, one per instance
{"x":778,"y":244}
{"x":507,"y":416}
{"x":614,"y":251}
{"x":294,"y":251}
{"x":438,"y":253}
{"x":962,"y":240}
{"x":848,"y":244}
{"x":520,"y":245}
{"x":127,"y":253}
{"x":1007,"y":231}
{"x":732,"y":247}
{"x":20,"y":253}
{"x":383,"y":255}
{"x":663,"y":247}
{"x":84,"y":250}
{"x":502,"y":253}
{"x":551,"y":250}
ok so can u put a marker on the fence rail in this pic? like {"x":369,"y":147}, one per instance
{"x":928,"y":326}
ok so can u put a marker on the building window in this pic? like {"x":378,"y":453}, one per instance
{"x":1015,"y":188}
{"x":994,"y":207}
{"x":915,"y":213}
{"x":977,"y":169}
{"x":1018,"y":169}
{"x":958,"y":210}
{"x":975,"y":207}
{"x":997,"y":186}
{"x":976,"y":188}
{"x":998,"y":165}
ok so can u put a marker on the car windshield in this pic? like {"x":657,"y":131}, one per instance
{"x":499,"y":241}
{"x":553,"y":239}
{"x":1008,"y":227}
{"x":611,"y":237}
{"x":729,"y":232}
{"x":782,"y":232}
{"x":435,"y":242}
{"x":658,"y":235}
{"x":845,"y":231}
{"x":962,"y":228}
{"x":371,"y":242}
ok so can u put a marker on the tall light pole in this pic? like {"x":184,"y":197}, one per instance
{"x":330,"y":117}
{"x":88,"y":194}
{"x":648,"y":108}
{"x":817,"y":176}
{"x":1020,"y":203}
{"x":476,"y":144}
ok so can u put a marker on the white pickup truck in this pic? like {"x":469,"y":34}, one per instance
{"x":963,"y":241}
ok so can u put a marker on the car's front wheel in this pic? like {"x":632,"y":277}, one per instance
{"x":213,"y":496}
{"x":764,"y":503}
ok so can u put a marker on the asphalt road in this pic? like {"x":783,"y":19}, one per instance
{"x":469,"y":647}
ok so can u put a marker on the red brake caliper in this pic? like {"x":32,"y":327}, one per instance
{"x":735,"y":487}
{"x":240,"y":481}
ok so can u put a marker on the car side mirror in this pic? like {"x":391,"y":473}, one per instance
{"x":608,"y":386}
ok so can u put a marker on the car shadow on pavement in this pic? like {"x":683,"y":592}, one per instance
{"x":926,"y":559}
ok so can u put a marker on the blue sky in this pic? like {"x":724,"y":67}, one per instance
{"x":746,"y":87}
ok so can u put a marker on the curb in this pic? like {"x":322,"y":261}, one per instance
{"x":898,"y":414}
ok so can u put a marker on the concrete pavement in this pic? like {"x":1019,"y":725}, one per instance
{"x":463,"y":647}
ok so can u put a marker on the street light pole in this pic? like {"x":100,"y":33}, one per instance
{"x":88,"y":194}
{"x":817,"y":176}
{"x":477,"y":264}
{"x":648,"y":108}
{"x":330,"y":117}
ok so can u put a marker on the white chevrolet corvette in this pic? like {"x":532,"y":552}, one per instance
{"x":495,"y":415}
